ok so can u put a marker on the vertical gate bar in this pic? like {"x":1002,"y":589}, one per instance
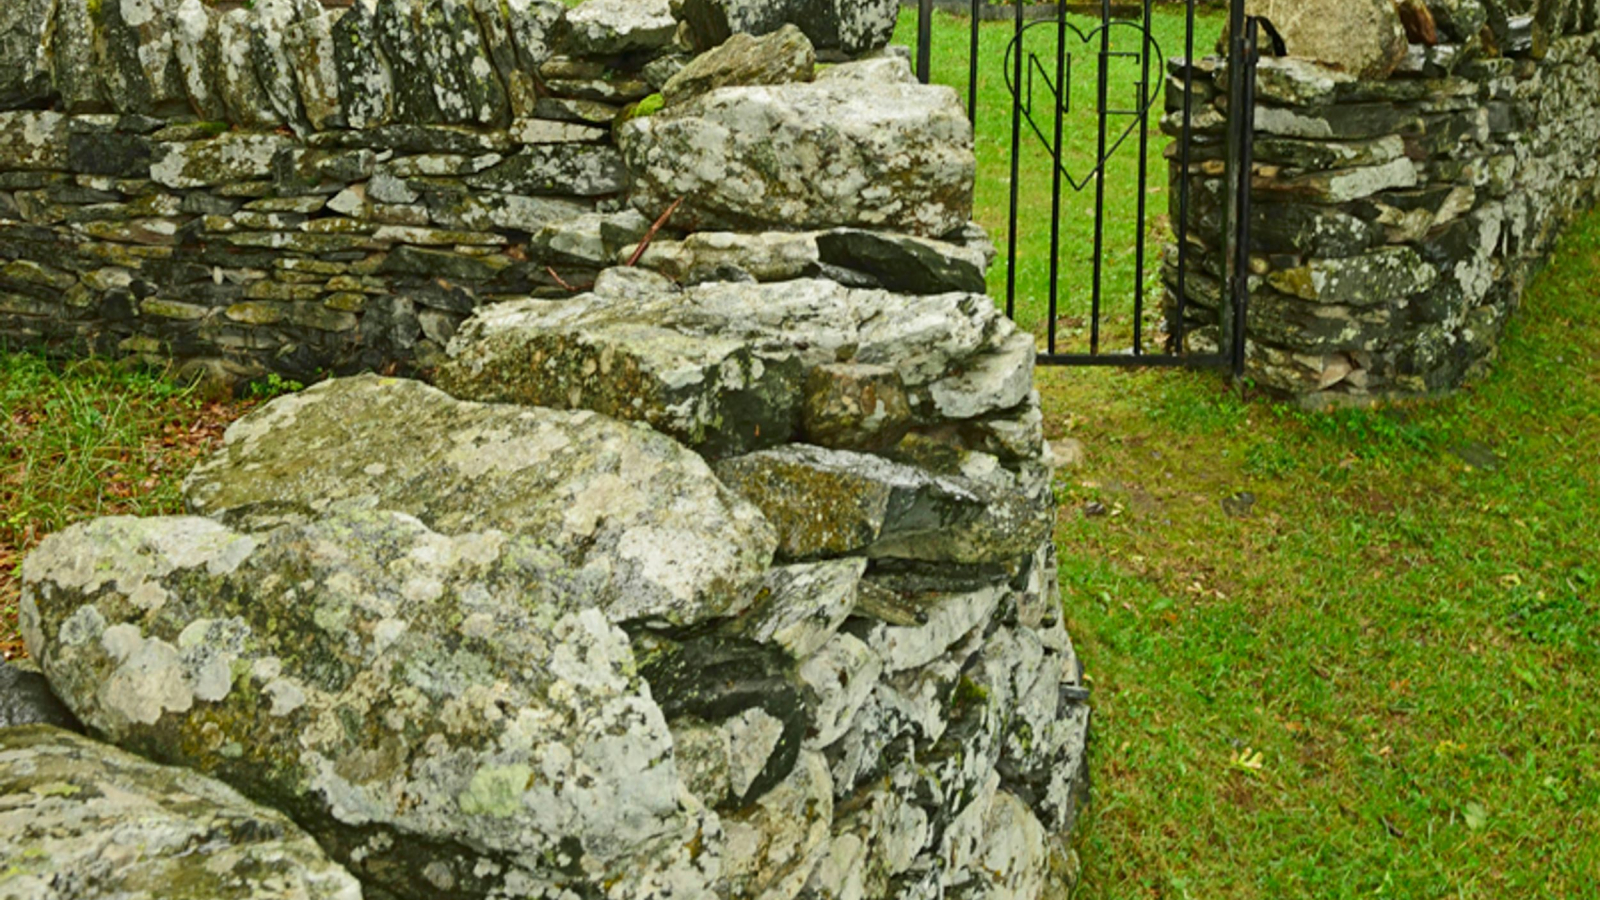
{"x":924,"y":40}
{"x":1062,"y":98}
{"x":1184,"y":150}
{"x":1231,"y":272}
{"x":1144,"y":187}
{"x":972,"y":77}
{"x":1100,"y":178}
{"x":1247,"y":143}
{"x":1016,"y":145}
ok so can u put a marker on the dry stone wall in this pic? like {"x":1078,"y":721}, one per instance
{"x":725,"y":575}
{"x":304,"y":191}
{"x":1397,"y":219}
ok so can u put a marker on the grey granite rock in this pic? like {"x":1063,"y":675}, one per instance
{"x":86,"y":820}
{"x":784,"y":56}
{"x":827,"y":503}
{"x":843,"y":27}
{"x":801,"y":607}
{"x":847,"y":138}
{"x":723,"y":367}
{"x":642,"y":522}
{"x":442,"y":712}
{"x":25,"y":64}
{"x":611,"y":27}
{"x":1361,"y":37}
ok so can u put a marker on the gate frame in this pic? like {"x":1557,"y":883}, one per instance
{"x":1244,"y":35}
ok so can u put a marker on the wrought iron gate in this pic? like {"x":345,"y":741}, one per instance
{"x":1124,"y":56}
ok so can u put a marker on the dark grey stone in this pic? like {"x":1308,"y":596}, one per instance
{"x":26,"y":699}
{"x":900,"y":263}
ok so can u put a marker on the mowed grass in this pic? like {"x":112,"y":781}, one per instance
{"x":89,"y":439}
{"x":1380,"y":678}
{"x":1337,"y":654}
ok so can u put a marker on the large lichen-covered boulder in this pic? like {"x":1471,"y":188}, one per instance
{"x":840,"y":151}
{"x":1363,"y":37}
{"x":844,"y":27}
{"x":85,"y":820}
{"x":724,"y":367}
{"x":449,"y":715}
{"x":640,"y":524}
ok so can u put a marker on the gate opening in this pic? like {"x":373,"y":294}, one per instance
{"x":1089,"y":95}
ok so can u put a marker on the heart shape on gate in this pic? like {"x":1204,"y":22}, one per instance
{"x":1146,"y":93}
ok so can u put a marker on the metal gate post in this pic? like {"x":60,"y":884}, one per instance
{"x":1245,"y":35}
{"x":924,"y":40}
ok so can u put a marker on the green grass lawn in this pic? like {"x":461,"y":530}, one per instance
{"x":1379,"y":679}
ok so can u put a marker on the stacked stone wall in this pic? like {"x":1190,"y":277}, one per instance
{"x":724,"y":575}
{"x":304,"y":191}
{"x":281,"y":187}
{"x":1396,"y":221}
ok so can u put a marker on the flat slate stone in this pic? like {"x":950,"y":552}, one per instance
{"x":902,"y":263}
{"x":1379,"y":276}
{"x":366,"y":83}
{"x":465,"y":83}
{"x":580,"y":170}
{"x":33,"y":141}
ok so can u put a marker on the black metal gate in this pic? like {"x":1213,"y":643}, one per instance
{"x":1131,"y":85}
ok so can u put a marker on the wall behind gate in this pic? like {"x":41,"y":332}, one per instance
{"x":1397,"y":221}
{"x":297,"y":190}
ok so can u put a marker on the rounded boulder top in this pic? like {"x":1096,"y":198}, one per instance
{"x":1362,"y":37}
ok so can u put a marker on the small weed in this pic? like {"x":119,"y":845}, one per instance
{"x":274,"y":385}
